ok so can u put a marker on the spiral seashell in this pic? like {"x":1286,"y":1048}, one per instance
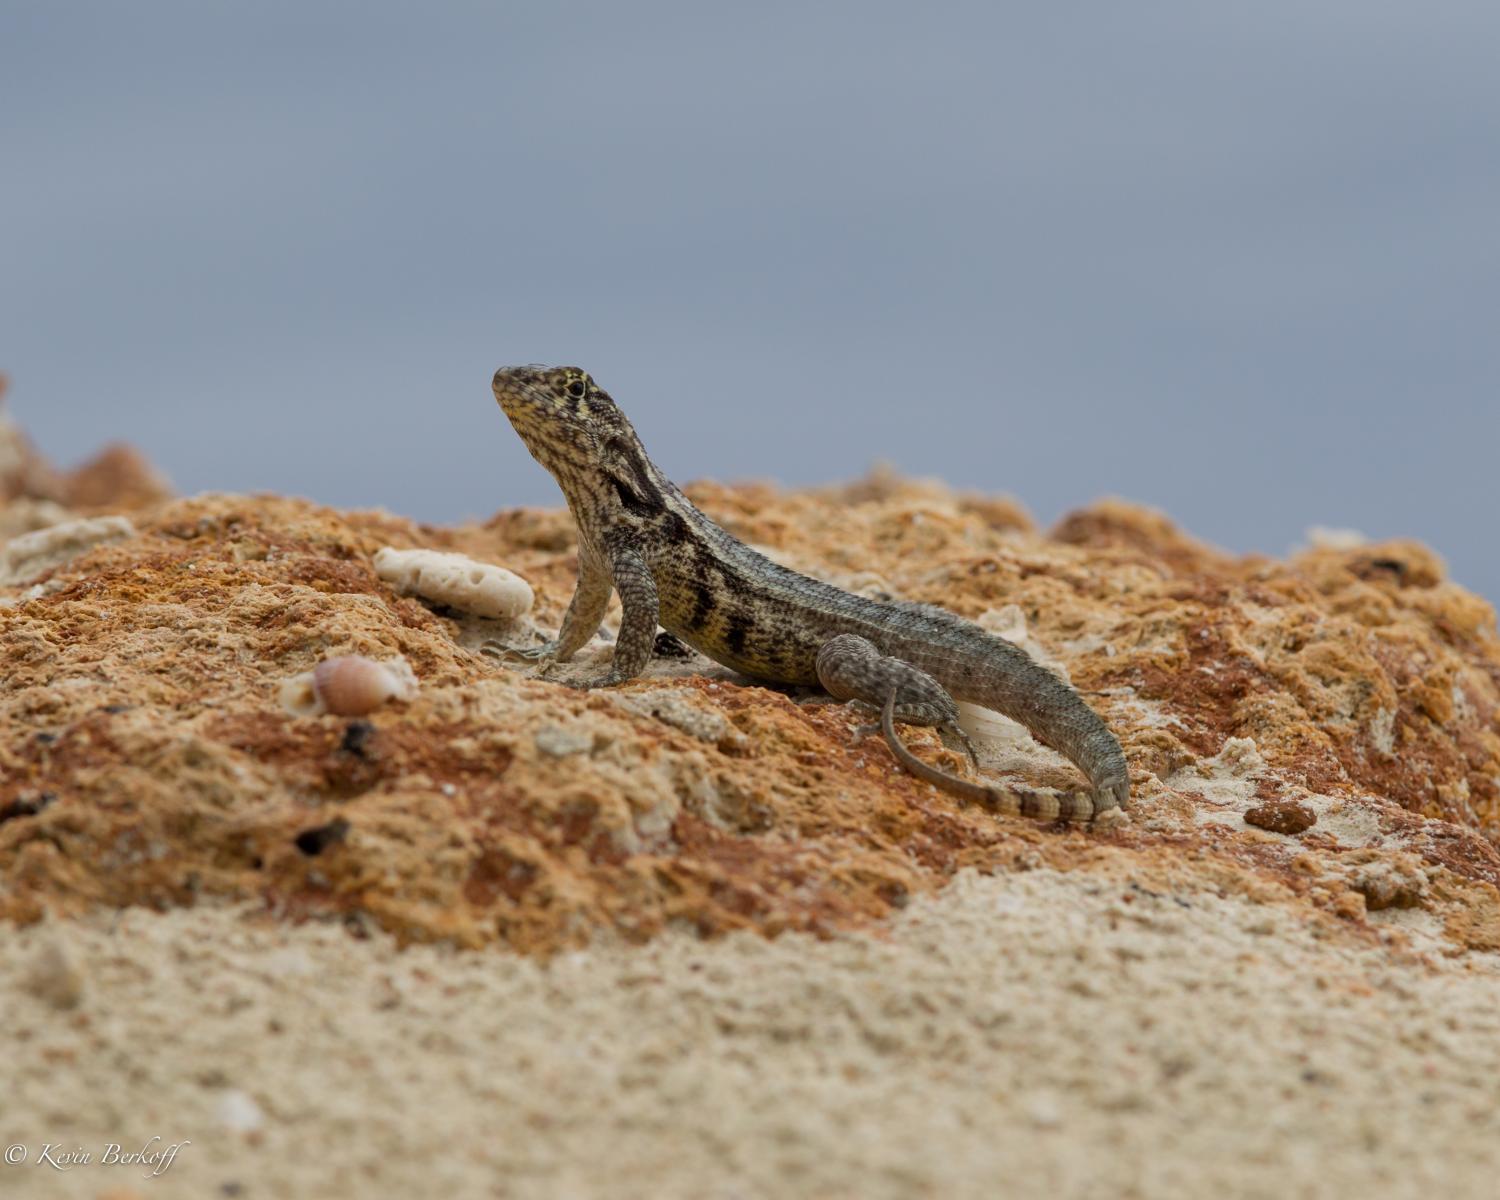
{"x":348,"y":686}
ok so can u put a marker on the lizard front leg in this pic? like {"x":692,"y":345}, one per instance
{"x":640,"y":613}
{"x":580,"y":622}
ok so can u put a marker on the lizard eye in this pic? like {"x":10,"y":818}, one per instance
{"x":575,"y":389}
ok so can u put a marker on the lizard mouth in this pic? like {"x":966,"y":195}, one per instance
{"x":516,"y":395}
{"x":535,"y":415}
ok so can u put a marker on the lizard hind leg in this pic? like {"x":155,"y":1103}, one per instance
{"x":851,"y":668}
{"x":924,"y":772}
{"x":950,"y":735}
{"x":1043,"y":804}
{"x":956,"y":733}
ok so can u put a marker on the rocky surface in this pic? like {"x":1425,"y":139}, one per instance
{"x":1319,"y":733}
{"x":1277,"y":978}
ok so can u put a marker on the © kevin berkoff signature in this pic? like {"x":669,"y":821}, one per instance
{"x":154,"y":1156}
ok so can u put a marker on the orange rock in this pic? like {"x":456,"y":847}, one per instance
{"x":148,"y":760}
{"x":1282,"y":816}
{"x":23,"y":471}
{"x":117,"y":478}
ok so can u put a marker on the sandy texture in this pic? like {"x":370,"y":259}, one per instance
{"x":1021,"y":1035}
{"x":690,"y":936}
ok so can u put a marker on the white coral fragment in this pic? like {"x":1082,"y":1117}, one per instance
{"x":457,"y":581}
{"x":32,"y":555}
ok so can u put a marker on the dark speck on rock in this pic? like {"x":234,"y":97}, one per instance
{"x":312,"y":842}
{"x":356,"y":740}
{"x":26,"y":806}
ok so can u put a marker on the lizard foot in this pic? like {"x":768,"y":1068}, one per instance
{"x":949,"y":731}
{"x":609,"y":679}
{"x":952,"y":731}
{"x":862,"y":708}
{"x":543,"y":657}
{"x":495,"y":648}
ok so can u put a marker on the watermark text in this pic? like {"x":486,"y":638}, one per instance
{"x":155,"y":1157}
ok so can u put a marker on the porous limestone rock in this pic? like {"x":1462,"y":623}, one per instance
{"x":147,"y":760}
{"x":31,"y":555}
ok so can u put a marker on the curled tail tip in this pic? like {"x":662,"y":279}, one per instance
{"x":1101,"y":808}
{"x":1113,"y":794}
{"x":1106,"y":805}
{"x":1110,"y":819}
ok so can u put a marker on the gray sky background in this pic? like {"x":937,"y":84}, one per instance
{"x":1241,"y":262}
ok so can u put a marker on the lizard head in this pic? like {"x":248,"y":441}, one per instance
{"x":562,"y":415}
{"x":574,"y":429}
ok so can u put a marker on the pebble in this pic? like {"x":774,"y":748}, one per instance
{"x":1282,"y":816}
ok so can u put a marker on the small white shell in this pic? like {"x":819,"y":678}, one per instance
{"x":348,"y":686}
{"x":457,"y":581}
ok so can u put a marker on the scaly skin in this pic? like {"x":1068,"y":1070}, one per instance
{"x":851,"y":668}
{"x":672,"y":566}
